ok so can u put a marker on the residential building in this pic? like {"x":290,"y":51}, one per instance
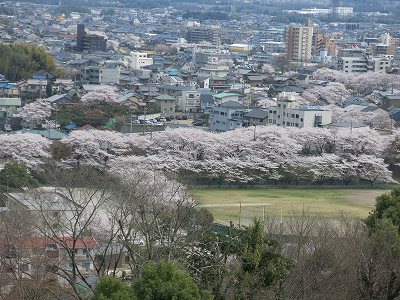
{"x":299,"y":42}
{"x":189,"y":101}
{"x":139,"y":60}
{"x":9,"y":90}
{"x":390,"y":101}
{"x":323,"y":42}
{"x":290,"y":112}
{"x":101,"y":74}
{"x":362,"y":64}
{"x":226,"y":97}
{"x":213,"y":70}
{"x":227,"y":116}
{"x":386,"y":46}
{"x":44,"y":258}
{"x":197,"y":35}
{"x":165,"y":104}
{"x":256,"y":117}
{"x":89,"y":42}
{"x":9,"y":106}
{"x":34,"y":87}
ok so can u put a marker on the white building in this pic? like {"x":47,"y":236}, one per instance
{"x":290,"y":112}
{"x":213,"y":70}
{"x":108,"y":74}
{"x":363,"y":64}
{"x":189,"y":101}
{"x":138,"y":60}
{"x":342,"y":11}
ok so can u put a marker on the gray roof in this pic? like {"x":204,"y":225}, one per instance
{"x":233,"y":104}
{"x":257,"y":113}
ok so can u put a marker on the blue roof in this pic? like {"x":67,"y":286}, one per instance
{"x":70,"y":126}
{"x":7,"y":85}
{"x":174,"y":73}
{"x":39,"y":76}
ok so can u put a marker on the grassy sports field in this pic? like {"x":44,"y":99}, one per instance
{"x":224,"y":203}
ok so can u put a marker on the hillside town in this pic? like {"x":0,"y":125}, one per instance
{"x":129,"y":130}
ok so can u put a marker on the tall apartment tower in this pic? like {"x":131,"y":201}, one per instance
{"x":299,"y":42}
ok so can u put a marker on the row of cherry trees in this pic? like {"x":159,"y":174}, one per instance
{"x":263,"y":154}
{"x":251,"y":155}
{"x":363,"y":83}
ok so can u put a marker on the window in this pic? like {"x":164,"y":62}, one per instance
{"x":86,"y":265}
{"x":301,"y":120}
{"x":297,"y":116}
{"x":191,"y":96}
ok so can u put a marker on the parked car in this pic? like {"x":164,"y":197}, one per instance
{"x":162,"y":119}
{"x":168,"y":119}
{"x":199,"y":122}
{"x":184,"y":117}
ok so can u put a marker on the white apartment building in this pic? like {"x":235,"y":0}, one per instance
{"x":363,"y":64}
{"x":213,"y":70}
{"x":139,"y":60}
{"x":290,"y":112}
{"x":189,"y":101}
{"x":101,"y":74}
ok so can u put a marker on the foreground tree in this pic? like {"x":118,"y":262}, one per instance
{"x":387,"y":207}
{"x":165,"y":282}
{"x":263,"y":269}
{"x":111,"y":288}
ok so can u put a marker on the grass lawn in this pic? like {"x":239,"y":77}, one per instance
{"x":224,"y":202}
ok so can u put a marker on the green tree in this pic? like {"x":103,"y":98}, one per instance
{"x":16,"y":176}
{"x":210,"y":260}
{"x":263,"y":269}
{"x":163,"y":281}
{"x":111,"y":288}
{"x":19,"y":62}
{"x":387,"y":207}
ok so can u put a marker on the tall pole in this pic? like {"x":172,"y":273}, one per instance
{"x":240,"y":214}
{"x":263,"y":216}
{"x":131,"y":118}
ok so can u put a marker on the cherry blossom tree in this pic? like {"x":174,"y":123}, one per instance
{"x":364,"y":83}
{"x":332,"y":75}
{"x":35,"y":113}
{"x":28,"y":149}
{"x":100,"y":96}
{"x":333,"y":93}
{"x":378,"y":118}
{"x":247,"y":155}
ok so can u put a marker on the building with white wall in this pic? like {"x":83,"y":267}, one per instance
{"x":292,"y":113}
{"x":139,"y":60}
{"x":189,"y":101}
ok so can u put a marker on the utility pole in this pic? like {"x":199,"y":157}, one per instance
{"x":263,"y":215}
{"x":240,"y":214}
